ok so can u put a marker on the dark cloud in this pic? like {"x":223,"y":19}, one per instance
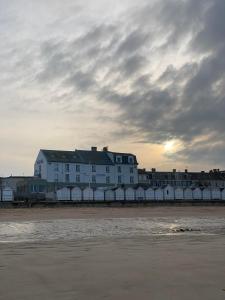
{"x":117,"y":65}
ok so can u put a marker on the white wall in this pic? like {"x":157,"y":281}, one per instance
{"x":150,"y":194}
{"x":99,"y":195}
{"x":88,"y":194}
{"x":129,"y":194}
{"x":179,"y":194}
{"x":76,"y":194}
{"x":140,"y":194}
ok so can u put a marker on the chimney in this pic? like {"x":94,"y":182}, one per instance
{"x":94,"y":148}
{"x":153,"y":170}
{"x":174,"y":170}
{"x":105,"y":149}
{"x":186,"y":171}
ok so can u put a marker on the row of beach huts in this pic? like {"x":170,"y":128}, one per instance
{"x":139,"y":194}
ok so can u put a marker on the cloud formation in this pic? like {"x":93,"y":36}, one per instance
{"x":156,"y":67}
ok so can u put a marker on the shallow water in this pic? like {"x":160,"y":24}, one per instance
{"x":74,"y":229}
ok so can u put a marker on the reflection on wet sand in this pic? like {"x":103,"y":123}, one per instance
{"x":113,"y":258}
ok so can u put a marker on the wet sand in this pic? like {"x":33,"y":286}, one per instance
{"x":172,"y":267}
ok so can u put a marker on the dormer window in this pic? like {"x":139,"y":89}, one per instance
{"x":119,"y":159}
{"x":131,"y":160}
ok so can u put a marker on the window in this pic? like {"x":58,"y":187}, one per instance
{"x":93,"y":168}
{"x":119,"y":179}
{"x":119,"y":169}
{"x":67,"y":166}
{"x":77,"y":168}
{"x":67,"y":177}
{"x":56,"y":177}
{"x":107,"y":169}
{"x":93,"y":179}
{"x":119,"y":159}
{"x":56,"y":167}
{"x":131,"y":170}
{"x":131,"y":160}
{"x":77,"y":178}
{"x":107,"y":179}
{"x":131,"y":179}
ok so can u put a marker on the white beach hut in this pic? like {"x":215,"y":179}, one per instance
{"x":197,"y":194}
{"x":63,"y":194}
{"x":7,"y":194}
{"x":88,"y":194}
{"x":119,"y":194}
{"x":130,"y":194}
{"x":216,"y":194}
{"x":168,"y":192}
{"x":140,"y":193}
{"x":109,"y":195}
{"x":223,"y":194}
{"x":76,"y":194}
{"x":150,"y":194}
{"x":206,"y":194}
{"x":99,"y":195}
{"x":159,"y":195}
{"x":188,"y":194}
{"x":179,"y":194}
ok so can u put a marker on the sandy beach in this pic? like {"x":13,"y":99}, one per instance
{"x":22,"y":214}
{"x":112,"y":266}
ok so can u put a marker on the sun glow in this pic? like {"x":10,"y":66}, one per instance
{"x":169,"y":146}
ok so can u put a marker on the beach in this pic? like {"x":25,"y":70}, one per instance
{"x":112,"y":253}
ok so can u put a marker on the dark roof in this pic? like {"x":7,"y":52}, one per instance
{"x":61,"y":156}
{"x":78,"y":156}
{"x":94,"y":157}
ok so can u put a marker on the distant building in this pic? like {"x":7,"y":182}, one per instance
{"x":213,"y":178}
{"x":89,"y":167}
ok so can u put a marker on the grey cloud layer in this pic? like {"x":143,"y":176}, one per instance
{"x":126,"y":64}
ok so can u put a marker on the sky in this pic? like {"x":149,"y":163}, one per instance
{"x":145,"y":77}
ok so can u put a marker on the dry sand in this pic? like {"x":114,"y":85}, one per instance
{"x":141,"y":268}
{"x":27,"y":214}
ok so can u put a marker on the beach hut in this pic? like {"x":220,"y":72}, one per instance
{"x":88,"y":194}
{"x":130,"y":194}
{"x":140,"y":193}
{"x":63,"y":194}
{"x":197,"y":194}
{"x":119,"y":194}
{"x":188,"y":194}
{"x":206,"y":194}
{"x":99,"y":195}
{"x":216,"y":194}
{"x":159,"y":195}
{"x":168,"y":192}
{"x":7,"y":194}
{"x":223,"y":194}
{"x":109,"y":195}
{"x":76,"y":194}
{"x":150,"y":194}
{"x":179,"y":194}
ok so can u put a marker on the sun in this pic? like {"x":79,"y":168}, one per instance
{"x":169,"y":146}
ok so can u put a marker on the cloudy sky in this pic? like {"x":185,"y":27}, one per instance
{"x":146,"y":77}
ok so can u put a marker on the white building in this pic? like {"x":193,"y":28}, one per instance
{"x":87,"y":167}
